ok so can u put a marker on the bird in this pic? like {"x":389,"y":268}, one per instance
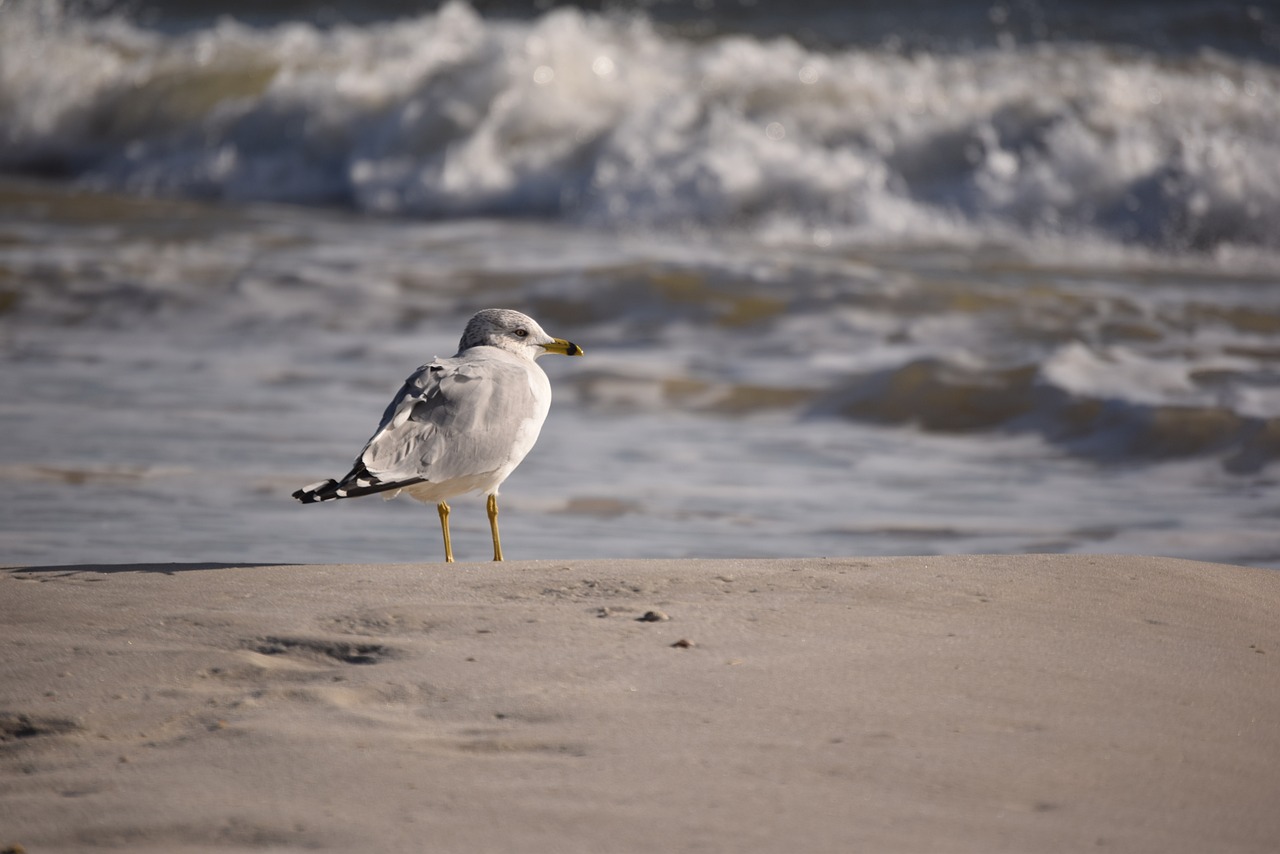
{"x":460,"y":424}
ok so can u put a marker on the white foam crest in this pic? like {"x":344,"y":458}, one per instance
{"x":1155,"y":379}
{"x":1118,"y":373}
{"x":607,"y":121}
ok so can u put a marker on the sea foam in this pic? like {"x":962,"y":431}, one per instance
{"x":611,"y":121}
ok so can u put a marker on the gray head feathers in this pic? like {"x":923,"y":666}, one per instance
{"x":514,"y":332}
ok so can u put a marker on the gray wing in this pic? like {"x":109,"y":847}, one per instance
{"x":452,"y":418}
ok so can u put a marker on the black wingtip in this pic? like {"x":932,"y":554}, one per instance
{"x":317,"y":492}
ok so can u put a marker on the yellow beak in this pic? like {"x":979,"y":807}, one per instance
{"x":563,"y":347}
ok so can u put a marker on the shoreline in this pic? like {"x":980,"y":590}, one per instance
{"x":942,"y":703}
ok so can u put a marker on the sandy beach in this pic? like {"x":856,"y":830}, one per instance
{"x":1013,"y":703}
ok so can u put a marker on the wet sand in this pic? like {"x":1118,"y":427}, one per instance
{"x":968,"y":704}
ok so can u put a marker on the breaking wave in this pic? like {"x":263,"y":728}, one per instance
{"x":612,"y":121}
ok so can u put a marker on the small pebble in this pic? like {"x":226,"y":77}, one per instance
{"x":653,"y":617}
{"x":683,"y":643}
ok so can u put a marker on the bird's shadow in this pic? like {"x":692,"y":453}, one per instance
{"x":111,"y":568}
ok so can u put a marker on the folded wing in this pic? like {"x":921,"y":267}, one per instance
{"x":452,"y":419}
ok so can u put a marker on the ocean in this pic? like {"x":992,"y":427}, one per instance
{"x":851,"y":279}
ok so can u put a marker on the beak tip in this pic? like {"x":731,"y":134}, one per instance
{"x":558,"y":345}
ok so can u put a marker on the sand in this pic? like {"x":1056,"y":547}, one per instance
{"x":929,"y":704}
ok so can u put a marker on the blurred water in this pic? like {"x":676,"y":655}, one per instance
{"x":608,"y":120}
{"x":891,"y":292}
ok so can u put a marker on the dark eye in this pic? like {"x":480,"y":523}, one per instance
{"x":522,"y":333}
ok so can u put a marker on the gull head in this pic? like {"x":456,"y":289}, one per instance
{"x":514,"y":332}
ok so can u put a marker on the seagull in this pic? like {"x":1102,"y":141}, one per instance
{"x":458,"y":425}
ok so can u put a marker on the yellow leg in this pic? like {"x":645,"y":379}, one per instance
{"x":493,"y":526}
{"x":444,"y":526}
